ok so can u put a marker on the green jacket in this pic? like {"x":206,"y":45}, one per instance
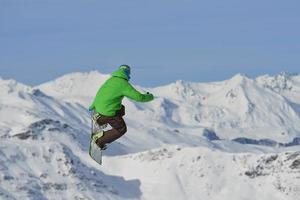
{"x":110,"y":95}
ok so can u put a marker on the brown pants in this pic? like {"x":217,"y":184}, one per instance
{"x":118,"y":127}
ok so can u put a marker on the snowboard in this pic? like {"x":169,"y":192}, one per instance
{"x":96,"y":132}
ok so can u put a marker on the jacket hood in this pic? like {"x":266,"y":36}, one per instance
{"x":120,"y":73}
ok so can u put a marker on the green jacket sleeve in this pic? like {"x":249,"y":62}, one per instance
{"x":132,"y":93}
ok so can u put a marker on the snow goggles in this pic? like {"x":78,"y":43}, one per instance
{"x":125,"y":68}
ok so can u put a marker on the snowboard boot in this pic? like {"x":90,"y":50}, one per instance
{"x":97,"y":136}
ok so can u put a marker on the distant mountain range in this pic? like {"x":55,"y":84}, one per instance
{"x":233,"y":139}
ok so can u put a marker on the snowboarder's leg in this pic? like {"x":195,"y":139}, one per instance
{"x":118,"y":129}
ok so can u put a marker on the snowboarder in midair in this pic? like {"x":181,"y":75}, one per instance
{"x":108,"y":104}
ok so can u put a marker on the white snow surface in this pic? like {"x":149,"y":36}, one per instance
{"x":179,"y":146}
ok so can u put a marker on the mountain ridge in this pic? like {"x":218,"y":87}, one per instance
{"x":185,"y":144}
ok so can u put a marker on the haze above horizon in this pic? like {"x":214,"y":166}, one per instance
{"x":163,"y":41}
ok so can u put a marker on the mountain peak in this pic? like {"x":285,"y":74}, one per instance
{"x":74,"y":84}
{"x":11,"y":85}
{"x":239,"y":78}
{"x":287,"y":75}
{"x":280,"y":82}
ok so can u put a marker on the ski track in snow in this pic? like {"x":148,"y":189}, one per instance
{"x":233,"y":139}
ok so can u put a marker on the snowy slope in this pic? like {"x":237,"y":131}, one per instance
{"x":75,"y":87}
{"x":179,"y":145}
{"x":285,"y":84}
{"x":22,"y":105}
{"x":234,"y":108}
{"x":50,"y":161}
{"x":201,"y":173}
{"x":238,"y":107}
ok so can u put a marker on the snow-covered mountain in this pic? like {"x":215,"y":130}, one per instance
{"x":267,"y":107}
{"x":183,"y":145}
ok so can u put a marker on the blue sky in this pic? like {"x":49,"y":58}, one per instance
{"x":163,"y":40}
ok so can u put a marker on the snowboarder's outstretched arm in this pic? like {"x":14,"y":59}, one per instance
{"x":132,"y":93}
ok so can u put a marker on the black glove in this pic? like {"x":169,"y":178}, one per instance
{"x":151,"y":95}
{"x":121,"y":112}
